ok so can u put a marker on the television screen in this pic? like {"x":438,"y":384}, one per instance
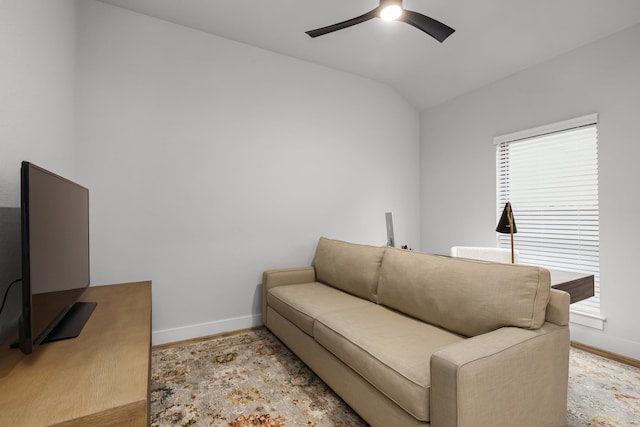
{"x":55,"y":256}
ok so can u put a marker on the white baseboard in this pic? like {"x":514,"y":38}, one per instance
{"x":204,"y":329}
{"x":603,"y":341}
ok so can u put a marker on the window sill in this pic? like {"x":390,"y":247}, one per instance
{"x":583,"y":318}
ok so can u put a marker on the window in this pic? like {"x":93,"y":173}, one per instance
{"x":550,"y":176}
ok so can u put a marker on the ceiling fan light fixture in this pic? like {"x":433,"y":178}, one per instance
{"x":391,"y":12}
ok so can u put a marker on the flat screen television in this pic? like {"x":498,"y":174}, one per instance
{"x":55,"y":257}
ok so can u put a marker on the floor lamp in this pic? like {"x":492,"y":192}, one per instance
{"x":507,"y":225}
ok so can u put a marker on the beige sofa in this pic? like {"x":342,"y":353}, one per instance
{"x":412,"y":339}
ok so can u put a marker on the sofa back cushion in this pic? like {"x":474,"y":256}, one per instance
{"x":464,"y":296}
{"x":349,"y":267}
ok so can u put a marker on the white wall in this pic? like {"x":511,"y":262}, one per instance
{"x":458,"y":165}
{"x":37,"y":79}
{"x":210,"y":161}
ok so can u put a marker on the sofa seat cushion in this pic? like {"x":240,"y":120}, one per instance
{"x":302,"y":303}
{"x":388,"y":349}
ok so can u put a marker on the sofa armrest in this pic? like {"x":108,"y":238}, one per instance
{"x":558,"y":308}
{"x":284,"y":276}
{"x":288,"y":276}
{"x":508,"y":377}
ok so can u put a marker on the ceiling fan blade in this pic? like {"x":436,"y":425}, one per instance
{"x":343,"y":24}
{"x":435,"y":29}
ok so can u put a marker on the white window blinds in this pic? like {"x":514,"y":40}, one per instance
{"x":550,"y":176}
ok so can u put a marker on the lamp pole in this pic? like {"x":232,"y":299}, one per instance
{"x":510,"y":217}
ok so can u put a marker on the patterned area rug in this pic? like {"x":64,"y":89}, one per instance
{"x":252,"y":379}
{"x":602,"y":392}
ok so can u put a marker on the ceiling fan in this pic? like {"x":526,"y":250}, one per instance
{"x":390,"y":10}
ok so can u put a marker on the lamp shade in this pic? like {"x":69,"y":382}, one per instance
{"x":507,"y":220}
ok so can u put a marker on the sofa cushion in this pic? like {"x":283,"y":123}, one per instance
{"x":350,"y":267}
{"x":464,"y":296}
{"x":302,"y":303}
{"x":388,"y":349}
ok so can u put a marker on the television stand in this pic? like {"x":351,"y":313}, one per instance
{"x":100,"y":378}
{"x":72,"y":323}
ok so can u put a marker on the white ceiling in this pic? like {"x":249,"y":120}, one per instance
{"x":493,"y":38}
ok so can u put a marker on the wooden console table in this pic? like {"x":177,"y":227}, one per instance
{"x":579,"y":286}
{"x":97,"y":379}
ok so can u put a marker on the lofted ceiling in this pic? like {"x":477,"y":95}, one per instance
{"x":493,"y":38}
